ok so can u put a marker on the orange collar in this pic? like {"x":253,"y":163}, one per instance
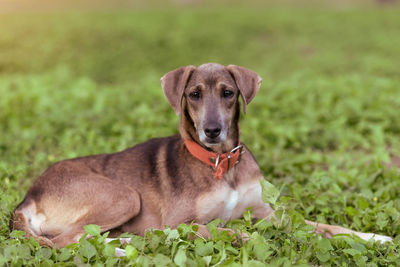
{"x":220,"y":162}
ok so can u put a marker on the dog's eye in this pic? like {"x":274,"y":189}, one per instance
{"x":194,"y":95}
{"x":227,"y":93}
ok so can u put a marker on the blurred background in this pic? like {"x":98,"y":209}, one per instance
{"x":118,"y":41}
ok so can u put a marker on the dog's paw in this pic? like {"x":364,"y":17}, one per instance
{"x":376,"y":237}
{"x":119,"y":252}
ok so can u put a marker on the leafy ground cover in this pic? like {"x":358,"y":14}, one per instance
{"x":324,"y":128}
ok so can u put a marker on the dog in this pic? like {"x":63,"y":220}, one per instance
{"x":203,"y":173}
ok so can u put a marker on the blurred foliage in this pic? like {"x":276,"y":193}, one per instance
{"x":324,"y":126}
{"x":121,"y":47}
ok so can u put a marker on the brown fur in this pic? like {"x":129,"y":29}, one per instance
{"x":158,"y":182}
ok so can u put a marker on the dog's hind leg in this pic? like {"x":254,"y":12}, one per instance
{"x":19,"y":222}
{"x":58,"y":217}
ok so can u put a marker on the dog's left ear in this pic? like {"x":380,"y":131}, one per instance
{"x":173,"y":84}
{"x":247,"y":81}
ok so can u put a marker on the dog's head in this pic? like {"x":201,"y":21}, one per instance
{"x":206,"y":97}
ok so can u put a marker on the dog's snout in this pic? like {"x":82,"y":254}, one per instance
{"x":212,"y":132}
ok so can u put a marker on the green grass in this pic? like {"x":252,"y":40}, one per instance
{"x":324,"y":126}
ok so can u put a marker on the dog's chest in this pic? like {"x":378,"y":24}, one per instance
{"x":227,"y":203}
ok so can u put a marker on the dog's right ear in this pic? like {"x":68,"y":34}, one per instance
{"x":173,"y":84}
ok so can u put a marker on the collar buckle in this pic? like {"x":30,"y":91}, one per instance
{"x":241,"y":151}
{"x":240,"y":147}
{"x":215,"y":161}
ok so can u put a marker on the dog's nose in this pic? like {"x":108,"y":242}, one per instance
{"x":212,"y":132}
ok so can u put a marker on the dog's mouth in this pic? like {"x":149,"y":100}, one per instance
{"x":212,"y":142}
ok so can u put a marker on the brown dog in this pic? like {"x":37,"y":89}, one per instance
{"x":199,"y":175}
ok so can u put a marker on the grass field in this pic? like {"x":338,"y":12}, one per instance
{"x":325,"y":126}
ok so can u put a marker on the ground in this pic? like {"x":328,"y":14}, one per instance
{"x":325,"y":126}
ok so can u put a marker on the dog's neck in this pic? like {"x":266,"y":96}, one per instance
{"x":188,"y":131}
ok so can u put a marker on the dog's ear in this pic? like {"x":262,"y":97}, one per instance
{"x":247,"y":81}
{"x":173,"y":84}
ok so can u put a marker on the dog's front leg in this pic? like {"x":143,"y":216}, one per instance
{"x":263,"y":210}
{"x":204,"y":233}
{"x":325,"y":230}
{"x":329,"y":231}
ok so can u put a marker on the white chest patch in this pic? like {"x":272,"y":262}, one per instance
{"x":230,"y":204}
{"x":226,"y":203}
